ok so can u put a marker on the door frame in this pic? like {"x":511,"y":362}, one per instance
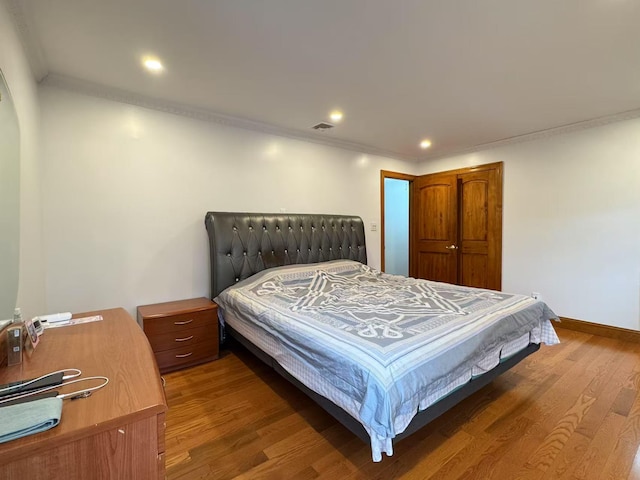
{"x":398,"y":176}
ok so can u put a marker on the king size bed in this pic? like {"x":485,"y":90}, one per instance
{"x":383,"y":354}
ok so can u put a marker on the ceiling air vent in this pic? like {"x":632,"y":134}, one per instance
{"x":322,"y":126}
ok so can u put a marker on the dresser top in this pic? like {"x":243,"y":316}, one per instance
{"x":114,"y":347}
{"x":178,"y":307}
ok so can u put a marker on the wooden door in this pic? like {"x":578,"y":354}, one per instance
{"x":435,"y":228}
{"x":480,"y":225}
{"x":457,"y":227}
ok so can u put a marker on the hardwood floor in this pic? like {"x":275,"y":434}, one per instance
{"x":571,"y":411}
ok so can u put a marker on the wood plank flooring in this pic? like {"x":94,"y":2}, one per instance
{"x":571,"y":411}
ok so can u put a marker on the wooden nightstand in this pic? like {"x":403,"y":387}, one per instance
{"x":182,"y":333}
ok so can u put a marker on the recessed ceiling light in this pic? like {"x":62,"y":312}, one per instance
{"x":153,"y":64}
{"x":336,"y":115}
{"x":424,"y":144}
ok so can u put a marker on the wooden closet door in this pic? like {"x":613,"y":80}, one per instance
{"x":457,"y":227}
{"x":435,"y":228}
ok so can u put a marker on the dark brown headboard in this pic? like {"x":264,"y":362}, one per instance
{"x":242,"y":244}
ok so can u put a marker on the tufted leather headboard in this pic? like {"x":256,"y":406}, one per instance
{"x":242,"y":244}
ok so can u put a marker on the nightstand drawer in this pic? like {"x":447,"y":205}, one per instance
{"x":181,"y":333}
{"x":180,"y":323}
{"x":181,"y":338}
{"x":177,"y":357}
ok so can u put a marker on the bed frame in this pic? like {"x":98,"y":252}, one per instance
{"x":242,"y":244}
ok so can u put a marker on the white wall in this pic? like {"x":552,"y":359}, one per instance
{"x":571,"y":226}
{"x":15,"y":67}
{"x":126,"y":190}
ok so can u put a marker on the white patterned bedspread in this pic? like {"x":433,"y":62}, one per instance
{"x":380,"y":346}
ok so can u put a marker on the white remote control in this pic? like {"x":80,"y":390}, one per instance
{"x":55,"y":317}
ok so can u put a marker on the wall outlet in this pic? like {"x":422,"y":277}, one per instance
{"x":283,"y":210}
{"x":536,"y":295}
{"x":374,"y":227}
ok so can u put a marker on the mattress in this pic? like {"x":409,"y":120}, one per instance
{"x":382,"y":347}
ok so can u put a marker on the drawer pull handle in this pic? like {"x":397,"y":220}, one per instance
{"x":184,"y":339}
{"x":184,"y":355}
{"x":184,"y":323}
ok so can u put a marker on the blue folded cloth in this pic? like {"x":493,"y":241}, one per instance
{"x":24,"y":419}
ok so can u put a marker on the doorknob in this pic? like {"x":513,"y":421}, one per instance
{"x":452,"y":247}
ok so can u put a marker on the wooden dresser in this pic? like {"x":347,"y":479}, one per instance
{"x":181,"y":333}
{"x":117,"y":432}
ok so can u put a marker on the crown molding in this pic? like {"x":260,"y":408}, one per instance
{"x":541,"y":134}
{"x":30,"y":42}
{"x":323,"y":138}
{"x":109,"y":93}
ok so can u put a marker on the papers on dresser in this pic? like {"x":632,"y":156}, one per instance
{"x":72,"y":321}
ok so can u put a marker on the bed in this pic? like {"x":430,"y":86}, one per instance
{"x":383,"y":354}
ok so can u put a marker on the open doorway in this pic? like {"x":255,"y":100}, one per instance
{"x":395,"y":196}
{"x":396,"y":226}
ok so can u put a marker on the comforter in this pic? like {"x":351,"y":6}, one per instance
{"x":378,"y":345}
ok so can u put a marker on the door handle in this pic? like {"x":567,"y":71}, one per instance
{"x":452,"y":247}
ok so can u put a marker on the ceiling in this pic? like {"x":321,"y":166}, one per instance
{"x":463,"y":73}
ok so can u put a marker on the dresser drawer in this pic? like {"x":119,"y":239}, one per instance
{"x":180,"y":323}
{"x":181,"y":356}
{"x":181,"y":338}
